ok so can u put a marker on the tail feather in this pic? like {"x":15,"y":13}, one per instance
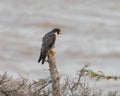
{"x":42,"y":57}
{"x":43,"y":60}
{"x":39,"y":59}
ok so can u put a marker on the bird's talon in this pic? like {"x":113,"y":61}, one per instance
{"x":52,"y":51}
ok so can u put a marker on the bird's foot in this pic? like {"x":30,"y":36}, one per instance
{"x":52,"y":51}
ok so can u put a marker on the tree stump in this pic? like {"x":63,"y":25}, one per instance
{"x":54,"y":75}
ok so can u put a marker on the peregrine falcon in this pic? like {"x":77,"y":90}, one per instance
{"x":48,"y":43}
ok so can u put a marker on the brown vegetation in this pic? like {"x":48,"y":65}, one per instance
{"x":42,"y":87}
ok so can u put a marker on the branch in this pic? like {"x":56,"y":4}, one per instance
{"x":54,"y":75}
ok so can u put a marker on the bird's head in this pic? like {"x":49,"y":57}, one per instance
{"x":56,"y":31}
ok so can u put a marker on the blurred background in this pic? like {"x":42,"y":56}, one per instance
{"x":90,"y":35}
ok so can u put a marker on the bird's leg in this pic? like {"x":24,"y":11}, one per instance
{"x":51,"y":51}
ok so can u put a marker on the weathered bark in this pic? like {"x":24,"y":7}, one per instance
{"x":54,"y":75}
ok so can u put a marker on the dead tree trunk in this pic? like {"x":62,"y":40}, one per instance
{"x":54,"y":75}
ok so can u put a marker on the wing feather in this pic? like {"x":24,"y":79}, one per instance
{"x":48,"y":43}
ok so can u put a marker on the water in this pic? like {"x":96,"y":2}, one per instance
{"x":90,"y":35}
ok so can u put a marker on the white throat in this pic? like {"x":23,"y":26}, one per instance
{"x":56,"y":34}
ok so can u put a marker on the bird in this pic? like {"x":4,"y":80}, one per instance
{"x":48,"y":44}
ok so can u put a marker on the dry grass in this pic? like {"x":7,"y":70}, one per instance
{"x":71,"y":87}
